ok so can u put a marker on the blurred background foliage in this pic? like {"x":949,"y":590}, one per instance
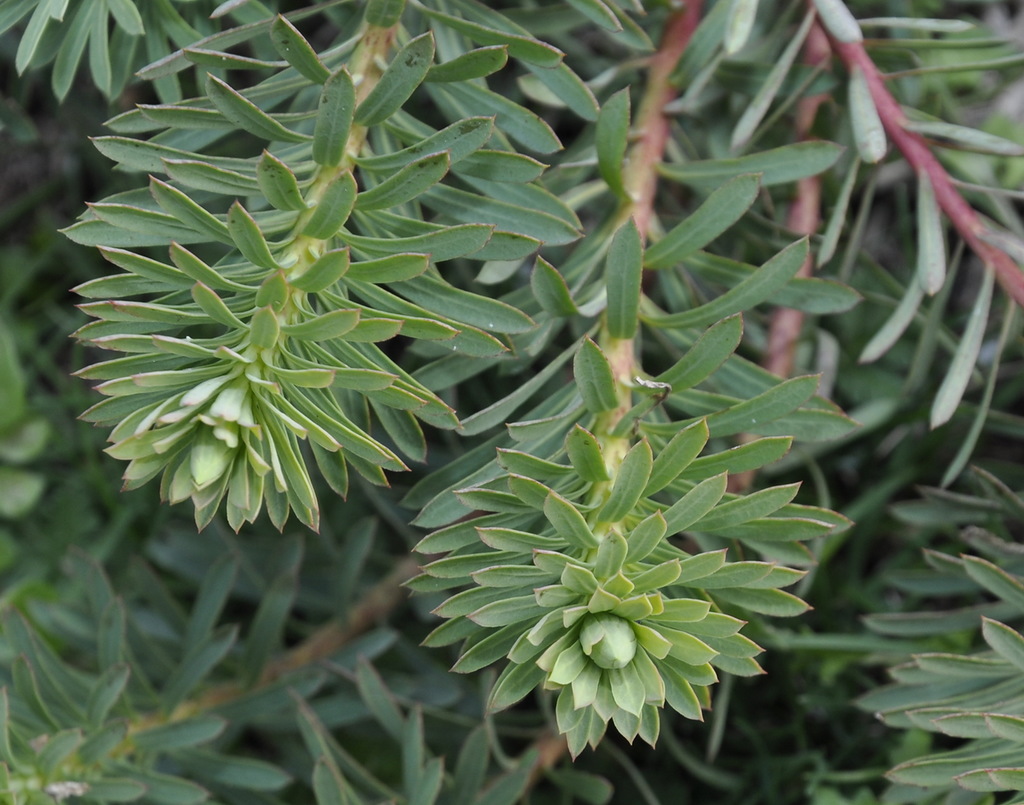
{"x":382,"y":709}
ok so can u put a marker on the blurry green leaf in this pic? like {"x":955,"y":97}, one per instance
{"x":760,"y":103}
{"x":965,"y":138}
{"x":787,"y":163}
{"x":868,"y":132}
{"x":838,"y":20}
{"x":931,"y":244}
{"x":954,"y":384}
{"x":742,"y":14}
{"x":22,"y":490}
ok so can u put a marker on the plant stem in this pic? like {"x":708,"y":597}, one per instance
{"x":917,"y":152}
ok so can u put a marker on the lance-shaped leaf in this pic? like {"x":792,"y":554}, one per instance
{"x":695,"y":504}
{"x":931,"y":245}
{"x":214,"y":306}
{"x":772,"y":276}
{"x":954,"y":384}
{"x":188,"y":212}
{"x":594,"y":378}
{"x":676,"y":456}
{"x":246,"y":234}
{"x":739,"y":24}
{"x":585,"y":454}
{"x":568,"y":522}
{"x":788,"y":163}
{"x":409,"y":183}
{"x":704,"y":357}
{"x":248,"y":116}
{"x":476,"y":63}
{"x":406,"y":71}
{"x":333,"y":208}
{"x":895,"y":325}
{"x":611,"y":138}
{"x":334,"y":119}
{"x":868,"y":133}
{"x":326,"y":270}
{"x":836,"y":17}
{"x":724,"y":207}
{"x":293,"y":48}
{"x":551,"y":290}
{"x":524,"y":48}
{"x":278,"y":183}
{"x":630,"y":481}
{"x":623,"y":275}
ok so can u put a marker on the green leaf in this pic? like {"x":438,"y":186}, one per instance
{"x":1006,"y":642}
{"x":722,"y":209}
{"x":501,"y":166}
{"x":293,"y":48}
{"x":278,"y":183}
{"x":931,"y":243}
{"x":757,"y":288}
{"x":326,"y":270}
{"x":623,"y":275}
{"x":594,"y":378}
{"x":516,"y":121}
{"x":409,"y":183}
{"x":585,"y":454}
{"x":776,"y":603}
{"x":996,"y":580}
{"x":787,"y":163}
{"x":764,"y":407}
{"x":524,"y":48}
{"x":696,"y":503}
{"x":246,"y":115}
{"x":836,"y":17}
{"x":568,"y":522}
{"x":188,"y":212}
{"x":246,"y":234}
{"x":513,"y":684}
{"x":676,"y":456}
{"x":177,"y":734}
{"x":963,"y":137}
{"x":550,"y":290}
{"x":630,"y":481}
{"x":752,"y":116}
{"x":396,"y":268}
{"x":333,"y":208}
{"x":954,"y":384}
{"x":868,"y":132}
{"x":406,"y":71}
{"x":334,"y":119}
{"x":476,"y":63}
{"x":611,"y":138}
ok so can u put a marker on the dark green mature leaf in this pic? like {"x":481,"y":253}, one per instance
{"x":594,"y":378}
{"x":293,"y":47}
{"x":623,"y":275}
{"x":611,"y":138}
{"x":334,"y":118}
{"x":246,"y":115}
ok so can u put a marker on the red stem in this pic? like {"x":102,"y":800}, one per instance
{"x":916,"y":151}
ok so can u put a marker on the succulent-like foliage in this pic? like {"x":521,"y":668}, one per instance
{"x":976,"y":695}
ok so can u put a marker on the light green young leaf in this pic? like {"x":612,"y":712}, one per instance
{"x":584,"y":453}
{"x":631,"y":480}
{"x":278,"y":183}
{"x":333,"y":208}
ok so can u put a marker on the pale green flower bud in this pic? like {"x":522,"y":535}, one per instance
{"x":608,"y":640}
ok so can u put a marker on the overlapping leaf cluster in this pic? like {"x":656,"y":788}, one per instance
{"x":976,"y":695}
{"x":257,"y":343}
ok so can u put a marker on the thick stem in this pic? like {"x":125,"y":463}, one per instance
{"x":917,"y":152}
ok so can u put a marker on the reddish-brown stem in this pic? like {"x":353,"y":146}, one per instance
{"x":916,"y":151}
{"x":804,"y":218}
{"x":647,"y":154}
